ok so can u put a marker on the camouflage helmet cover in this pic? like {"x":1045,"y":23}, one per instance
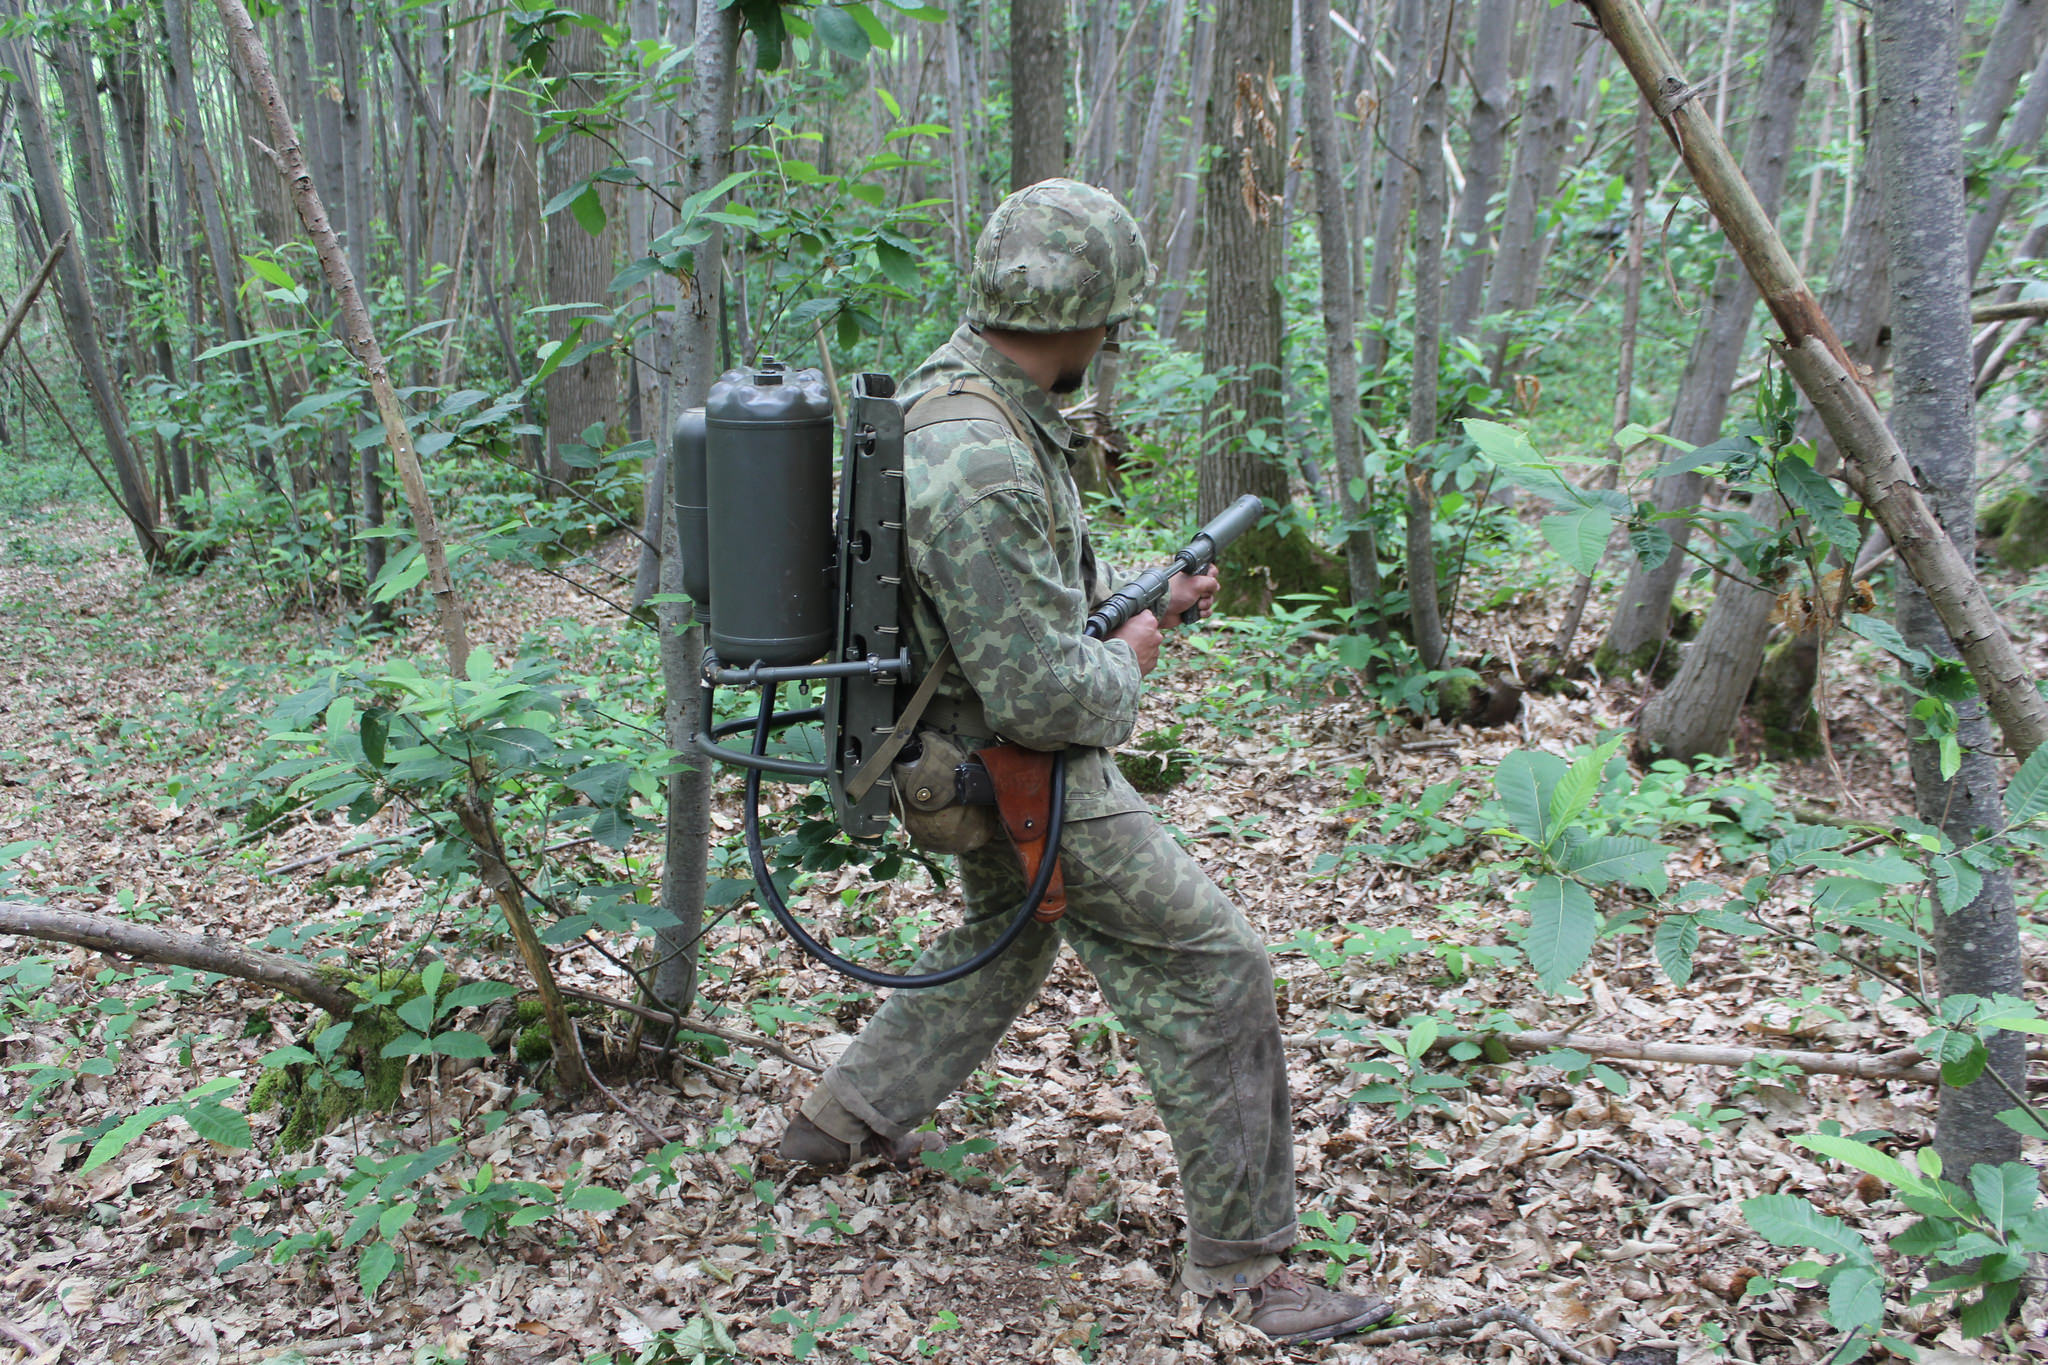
{"x":1058,"y":256}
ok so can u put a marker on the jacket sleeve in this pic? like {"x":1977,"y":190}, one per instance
{"x":991,"y":572}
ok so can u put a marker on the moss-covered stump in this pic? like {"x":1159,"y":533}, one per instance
{"x":1781,"y":700}
{"x":351,"y":1075}
{"x":2021,"y":540}
{"x":1158,"y":763}
{"x":1658,"y":658}
{"x":1265,"y":566}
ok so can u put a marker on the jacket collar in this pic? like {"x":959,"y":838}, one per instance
{"x":1009,"y":379}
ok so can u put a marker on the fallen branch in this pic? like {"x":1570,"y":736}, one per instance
{"x":37,"y":1352}
{"x":1902,"y":1065}
{"x":19,"y":312}
{"x":618,"y":1105}
{"x":2010,"y":312}
{"x":1470,"y":1322}
{"x":656,"y":1015}
{"x":147,"y":943}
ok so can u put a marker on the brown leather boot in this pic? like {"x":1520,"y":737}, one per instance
{"x":806,"y":1143}
{"x":1289,"y":1307}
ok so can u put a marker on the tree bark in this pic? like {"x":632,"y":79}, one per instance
{"x":205,"y":953}
{"x":1919,"y":136}
{"x":2022,"y":139}
{"x":1539,"y":160}
{"x":583,"y":393}
{"x":1492,"y":96}
{"x":2014,"y":44}
{"x":1642,"y":614}
{"x":1396,"y":188}
{"x":1241,"y":337}
{"x":1877,"y":469}
{"x":1425,"y":615}
{"x":686,"y":854}
{"x":1698,"y":712}
{"x":1144,"y":199}
{"x":1184,"y":222}
{"x":1340,"y":321}
{"x":1038,"y":92}
{"x":75,"y":301}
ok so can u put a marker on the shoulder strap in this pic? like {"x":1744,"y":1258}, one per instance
{"x":878,"y":762}
{"x":963,"y":399}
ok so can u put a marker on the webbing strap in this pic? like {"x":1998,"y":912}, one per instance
{"x":878,"y":762}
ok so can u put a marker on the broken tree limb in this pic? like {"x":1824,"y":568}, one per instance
{"x":1813,"y":353}
{"x":2012,"y":311}
{"x":361,"y":339}
{"x":1904,"y":1065}
{"x":19,"y":312}
{"x":147,"y":943}
{"x":1466,"y":1324}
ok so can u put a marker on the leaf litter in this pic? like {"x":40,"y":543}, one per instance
{"x":1609,"y":1211}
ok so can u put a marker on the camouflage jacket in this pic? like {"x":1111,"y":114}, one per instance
{"x":995,"y":537}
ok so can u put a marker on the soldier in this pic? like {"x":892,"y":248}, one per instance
{"x":1002,"y":571}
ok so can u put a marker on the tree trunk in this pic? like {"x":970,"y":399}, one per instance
{"x":1425,"y":615}
{"x":1340,"y":321}
{"x":582,"y":393}
{"x":686,"y":855}
{"x":2022,"y":139}
{"x":1642,"y":614}
{"x":75,"y":301}
{"x":1144,"y":197}
{"x":1396,"y":187}
{"x":2014,"y":44}
{"x":1038,"y":92}
{"x":204,"y":182}
{"x":1241,"y":337}
{"x":1877,"y":469}
{"x":1934,"y":415}
{"x":1697,"y":714}
{"x":1539,"y":160}
{"x":1492,"y":95}
{"x":1184,"y":222}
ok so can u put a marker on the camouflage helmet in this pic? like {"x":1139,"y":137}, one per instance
{"x":1058,"y":256}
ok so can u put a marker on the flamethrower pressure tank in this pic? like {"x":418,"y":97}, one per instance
{"x":686,"y":465}
{"x":769,"y":488}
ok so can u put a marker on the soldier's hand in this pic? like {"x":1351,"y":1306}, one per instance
{"x":1197,"y":590}
{"x":1141,"y":633}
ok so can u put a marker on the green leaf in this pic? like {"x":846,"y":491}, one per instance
{"x":1575,"y":792}
{"x":1963,"y":1059}
{"x":1524,"y":781}
{"x":374,"y":1267}
{"x":1924,"y":1238}
{"x":1677,"y":939}
{"x":376,"y":729}
{"x":1986,"y":1313}
{"x":2026,"y":796}
{"x":588,"y":210}
{"x":1885,"y":636}
{"x":840,"y":32}
{"x":473,"y":993}
{"x":289,"y":1055}
{"x":1856,"y":1298}
{"x":594,"y":1199}
{"x":2023,"y":1122}
{"x":1812,"y":493}
{"x":1863,"y":1157}
{"x":418,"y":1013}
{"x":405,"y":1045}
{"x":1956,"y":882}
{"x":2004,"y":1192}
{"x":528,"y":1216}
{"x":1580,"y":536}
{"x":394,"y":1219}
{"x":118,"y":1137}
{"x":1562,"y":926}
{"x":271,"y":272}
{"x":1786,"y":1220}
{"x":461,"y":1044}
{"x":1615,"y":858}
{"x":900,"y":267}
{"x":217,"y":1123}
{"x":1651,"y":544}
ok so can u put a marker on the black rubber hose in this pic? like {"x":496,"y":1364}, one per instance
{"x":765,"y":884}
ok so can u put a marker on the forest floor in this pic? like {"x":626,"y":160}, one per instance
{"x":1603,"y":1202}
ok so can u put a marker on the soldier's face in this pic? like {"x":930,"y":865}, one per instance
{"x":1078,"y":351}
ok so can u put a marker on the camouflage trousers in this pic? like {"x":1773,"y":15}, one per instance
{"x":1183,"y":972}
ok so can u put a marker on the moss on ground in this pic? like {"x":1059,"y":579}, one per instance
{"x":310,"y":1097}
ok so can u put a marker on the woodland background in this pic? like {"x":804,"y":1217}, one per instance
{"x":1654,"y":902}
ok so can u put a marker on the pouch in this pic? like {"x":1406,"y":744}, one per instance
{"x":924,"y":799}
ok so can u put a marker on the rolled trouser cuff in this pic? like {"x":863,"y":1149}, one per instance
{"x":1210,"y":1281}
{"x":838,"y":1094}
{"x":1206,"y":1251}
